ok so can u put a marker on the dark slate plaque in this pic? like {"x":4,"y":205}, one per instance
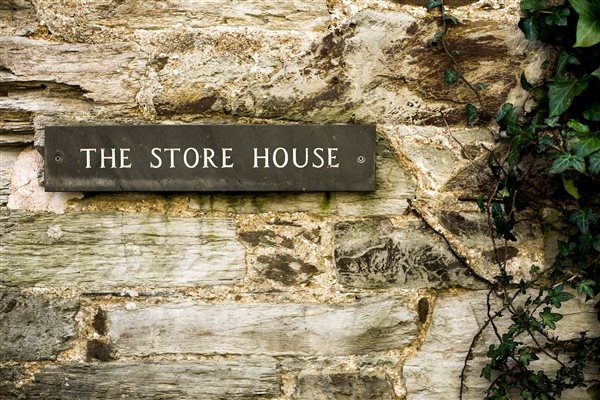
{"x":210,"y":158}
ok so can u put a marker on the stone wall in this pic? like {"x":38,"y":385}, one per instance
{"x":258,"y":295}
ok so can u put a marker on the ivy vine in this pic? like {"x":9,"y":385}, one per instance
{"x":549,"y":160}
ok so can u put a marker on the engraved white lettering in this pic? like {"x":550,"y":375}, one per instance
{"x":88,"y":161}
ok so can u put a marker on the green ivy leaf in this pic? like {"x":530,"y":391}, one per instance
{"x":596,"y":73}
{"x":431,"y":4}
{"x":557,"y":296}
{"x":583,"y":219}
{"x":578,"y":126}
{"x":472,"y":114}
{"x":558,"y":17}
{"x":436,"y":39}
{"x":527,"y":355}
{"x":587,"y":145}
{"x":571,"y":187}
{"x":532,"y":5}
{"x":562,"y":93}
{"x":592,"y":113}
{"x":549,"y":318}
{"x":594,"y":163}
{"x":451,"y":76}
{"x":586,"y":287}
{"x":567,"y":161}
{"x":529,"y":27}
{"x":588,"y":26}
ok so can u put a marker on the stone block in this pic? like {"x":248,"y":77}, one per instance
{"x":370,"y":325}
{"x":373,"y":253}
{"x":35,"y":327}
{"x":338,"y":386}
{"x":95,"y":250}
{"x":249,"y":378}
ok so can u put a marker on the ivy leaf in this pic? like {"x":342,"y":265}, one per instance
{"x":583,"y":219}
{"x":596,"y":73}
{"x":562,"y":93}
{"x":586,"y":287}
{"x":594,"y":163}
{"x":571,"y":187}
{"x":578,"y":126}
{"x":557,"y":296}
{"x":529,"y":27}
{"x":567,"y":161}
{"x":549,"y":318}
{"x":532,"y":5}
{"x":436,"y":39}
{"x":593,"y":112}
{"x":587,"y":145}
{"x":588,"y":26}
{"x":472,"y":114}
{"x":557,"y":17}
{"x":527,"y":355}
{"x":451,"y":76}
{"x":431,"y":4}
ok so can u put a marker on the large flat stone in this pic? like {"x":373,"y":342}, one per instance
{"x":262,"y":328}
{"x":221,"y":379}
{"x":97,"y":250}
{"x":373,"y":253}
{"x":338,"y":386}
{"x":434,"y":373}
{"x":35,"y":327}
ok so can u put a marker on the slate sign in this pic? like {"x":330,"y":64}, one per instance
{"x":210,"y":158}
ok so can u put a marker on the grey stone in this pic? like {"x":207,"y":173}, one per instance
{"x":434,"y":372}
{"x":338,"y":386}
{"x":249,"y":378}
{"x":97,"y":250}
{"x":7,"y":159}
{"x":286,"y":269}
{"x":370,"y":325}
{"x":373,"y":253}
{"x":35,"y":327}
{"x":9,"y":376}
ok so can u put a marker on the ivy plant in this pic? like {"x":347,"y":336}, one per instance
{"x":550,"y":161}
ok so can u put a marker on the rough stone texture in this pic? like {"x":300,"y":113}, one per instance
{"x":468,"y":233}
{"x":374,"y":253}
{"x":26,"y":191}
{"x":259,"y":328}
{"x":287,"y":249}
{"x":434,"y":373}
{"x":334,"y":386}
{"x":7,"y":159}
{"x":221,"y":379}
{"x":35,"y":327}
{"x":103,"y":20}
{"x":98,"y":250}
{"x":9,"y":375}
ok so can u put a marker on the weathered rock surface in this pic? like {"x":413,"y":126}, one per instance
{"x":7,"y":159}
{"x":334,"y":386}
{"x":35,"y":327}
{"x":286,"y":249}
{"x":374,"y":253}
{"x":434,"y":373}
{"x":97,"y":250}
{"x":260,"y":328}
{"x":249,"y":378}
